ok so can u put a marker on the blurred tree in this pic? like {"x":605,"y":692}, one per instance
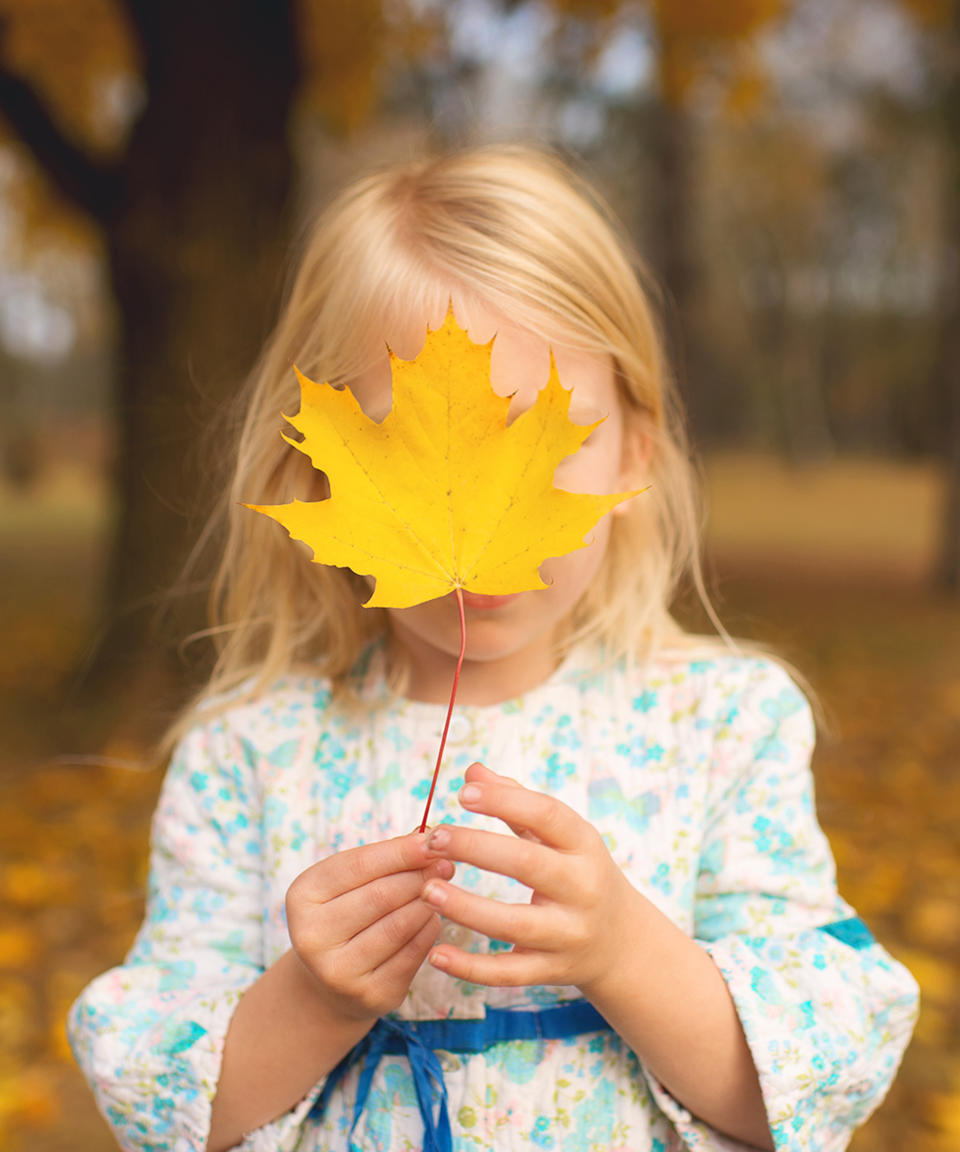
{"x":759,"y":233}
{"x":693,"y":41}
{"x":948,"y":369}
{"x":942,"y":17}
{"x":193,"y":196}
{"x":192,"y":206}
{"x":191,"y":188}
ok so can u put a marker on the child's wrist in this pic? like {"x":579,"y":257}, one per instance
{"x":330,"y":1009}
{"x":630,"y":941}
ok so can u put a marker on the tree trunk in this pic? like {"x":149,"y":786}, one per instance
{"x":195,"y":253}
{"x":673,"y":252}
{"x":195,"y":217}
{"x":947,"y":368}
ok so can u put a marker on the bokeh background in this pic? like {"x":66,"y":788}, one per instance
{"x":789,"y":168}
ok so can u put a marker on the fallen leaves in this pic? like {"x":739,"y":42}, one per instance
{"x":71,"y":899}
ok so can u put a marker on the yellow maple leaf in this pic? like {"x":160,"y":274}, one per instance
{"x":442,"y":493}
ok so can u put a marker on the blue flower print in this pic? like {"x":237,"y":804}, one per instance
{"x":661,"y":879}
{"x":179,"y":1035}
{"x":177,"y":975}
{"x":593,"y":1119}
{"x":762,"y":983}
{"x":606,"y":799}
{"x":541,"y":1133}
{"x":274,"y":813}
{"x":397,"y":1091}
{"x":645,"y":701}
{"x":785,"y":704}
{"x":555,"y":771}
{"x":284,"y":754}
{"x":519,"y":1059}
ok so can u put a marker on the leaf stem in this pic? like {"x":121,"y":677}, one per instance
{"x":453,"y":696}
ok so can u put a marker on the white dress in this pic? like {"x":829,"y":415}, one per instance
{"x":697,"y":775}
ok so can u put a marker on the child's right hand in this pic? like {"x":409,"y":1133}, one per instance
{"x":358,"y":925}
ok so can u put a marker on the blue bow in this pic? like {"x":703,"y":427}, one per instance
{"x":417,"y":1039}
{"x":393,"y":1037}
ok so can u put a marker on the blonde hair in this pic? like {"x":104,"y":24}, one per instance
{"x":519,"y":229}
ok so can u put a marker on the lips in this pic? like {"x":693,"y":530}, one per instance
{"x":479,"y":603}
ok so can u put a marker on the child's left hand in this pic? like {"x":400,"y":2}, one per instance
{"x":583,"y":910}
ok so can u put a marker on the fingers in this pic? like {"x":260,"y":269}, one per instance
{"x":556,"y":853}
{"x":353,"y":912}
{"x":506,"y":970}
{"x":371,"y":975}
{"x":525,"y":860}
{"x":359,"y":924}
{"x":356,"y":867}
{"x":522,"y":924}
{"x":402,"y":965}
{"x":478,"y":773}
{"x":387,"y":940}
{"x":548,"y":833}
{"x":550,"y":820}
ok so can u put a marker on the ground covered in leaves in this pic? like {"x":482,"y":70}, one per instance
{"x":881,"y":656}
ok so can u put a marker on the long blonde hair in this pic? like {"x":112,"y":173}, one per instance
{"x":518,"y":228}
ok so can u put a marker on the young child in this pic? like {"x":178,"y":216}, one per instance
{"x":642,"y":947}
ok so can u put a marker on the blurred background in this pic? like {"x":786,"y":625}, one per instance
{"x":789,"y":168}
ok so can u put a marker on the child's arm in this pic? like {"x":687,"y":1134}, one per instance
{"x":589,"y":927}
{"x":359,"y":933}
{"x":191,"y":1015}
{"x":825,"y":1012}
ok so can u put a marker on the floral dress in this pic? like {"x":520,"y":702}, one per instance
{"x":696,"y":773}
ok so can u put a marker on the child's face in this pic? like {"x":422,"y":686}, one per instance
{"x":510,"y":638}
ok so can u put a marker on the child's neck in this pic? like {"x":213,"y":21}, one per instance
{"x":490,"y":681}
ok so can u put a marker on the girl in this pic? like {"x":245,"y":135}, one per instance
{"x":623,"y":930}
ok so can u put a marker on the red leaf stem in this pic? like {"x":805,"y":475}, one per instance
{"x":453,"y":696}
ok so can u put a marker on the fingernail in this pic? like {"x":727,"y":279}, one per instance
{"x":470,"y":793}
{"x":444,"y":869}
{"x":435,"y":895}
{"x":439,"y":960}
{"x":438,"y":838}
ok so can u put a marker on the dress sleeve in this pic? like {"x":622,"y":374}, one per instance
{"x":827,"y":1013}
{"x":149,"y":1034}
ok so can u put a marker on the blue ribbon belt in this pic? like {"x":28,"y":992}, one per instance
{"x":419,"y":1041}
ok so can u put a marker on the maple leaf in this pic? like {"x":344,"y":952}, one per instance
{"x":442,"y":494}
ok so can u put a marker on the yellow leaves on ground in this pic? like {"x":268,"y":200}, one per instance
{"x":28,"y":1097}
{"x":442,"y":493}
{"x":71,"y":897}
{"x":945,"y":1114}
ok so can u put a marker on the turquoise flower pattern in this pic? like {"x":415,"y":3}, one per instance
{"x":697,"y":776}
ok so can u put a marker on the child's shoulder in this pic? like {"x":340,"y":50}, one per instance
{"x":286,"y":704}
{"x":718,"y":677}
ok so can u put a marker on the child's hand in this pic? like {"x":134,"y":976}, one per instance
{"x":583,"y":909}
{"x":358,"y":924}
